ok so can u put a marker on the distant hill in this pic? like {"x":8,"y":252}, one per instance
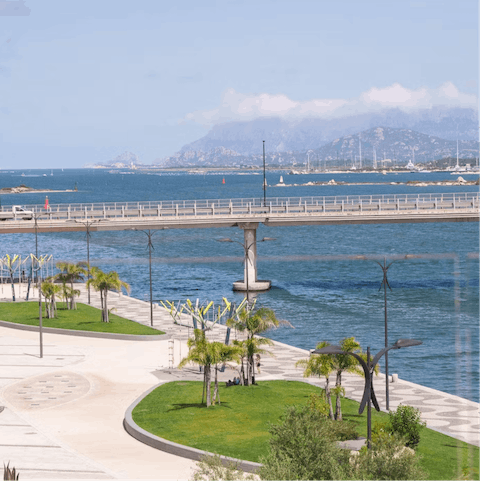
{"x":397,"y":144}
{"x":280,"y":135}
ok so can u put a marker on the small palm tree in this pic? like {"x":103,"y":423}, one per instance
{"x":254,"y":322}
{"x":320,"y":365}
{"x":200,"y":352}
{"x":104,"y":282}
{"x":222,"y":354}
{"x":70,"y":273}
{"x":345,"y":363}
{"x":50,"y":290}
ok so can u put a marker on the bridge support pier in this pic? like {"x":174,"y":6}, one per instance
{"x":250,"y":282}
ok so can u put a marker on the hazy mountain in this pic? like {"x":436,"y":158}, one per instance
{"x":398,"y":145}
{"x":282,"y":135}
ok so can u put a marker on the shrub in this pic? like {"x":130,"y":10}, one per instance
{"x":303,"y":446}
{"x":344,"y":430}
{"x":318,"y":403}
{"x":388,"y":459}
{"x":407,"y":422}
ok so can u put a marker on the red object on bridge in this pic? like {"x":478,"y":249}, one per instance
{"x":46,"y":203}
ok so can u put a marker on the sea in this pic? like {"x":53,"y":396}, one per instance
{"x":316,"y":285}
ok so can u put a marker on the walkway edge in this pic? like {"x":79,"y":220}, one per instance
{"x":70,"y":332}
{"x":174,"y":448}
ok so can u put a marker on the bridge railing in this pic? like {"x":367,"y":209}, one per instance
{"x":273,"y":205}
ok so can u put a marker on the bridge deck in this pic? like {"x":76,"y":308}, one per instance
{"x":408,"y":208}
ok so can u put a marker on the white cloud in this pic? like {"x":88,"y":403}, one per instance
{"x":238,"y":106}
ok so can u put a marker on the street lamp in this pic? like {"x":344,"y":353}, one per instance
{"x":246,"y":248}
{"x":385,"y":283}
{"x":149,"y":235}
{"x":264,"y":179}
{"x":368,"y":369}
{"x":35,"y":217}
{"x":88,"y":224}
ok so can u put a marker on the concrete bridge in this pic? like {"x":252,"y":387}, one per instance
{"x":248,"y":214}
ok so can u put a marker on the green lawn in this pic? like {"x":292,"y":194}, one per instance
{"x":239,"y":426}
{"x":84,"y":318}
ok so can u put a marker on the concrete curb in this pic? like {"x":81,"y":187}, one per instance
{"x":174,"y":448}
{"x":102,"y":335}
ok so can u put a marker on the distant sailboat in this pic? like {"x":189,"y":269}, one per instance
{"x":51,"y":172}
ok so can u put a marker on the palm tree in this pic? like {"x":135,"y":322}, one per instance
{"x":200,"y":352}
{"x":345,"y":363}
{"x":320,"y":365}
{"x":254,"y":322}
{"x":70,"y":273}
{"x":222,"y":354}
{"x":104,"y":282}
{"x":49,"y":290}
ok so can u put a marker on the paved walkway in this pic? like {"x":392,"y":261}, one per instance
{"x":62,"y":416}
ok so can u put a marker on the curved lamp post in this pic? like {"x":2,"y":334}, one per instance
{"x":149,"y":235}
{"x":368,"y":369}
{"x":385,"y":284}
{"x":246,"y":249}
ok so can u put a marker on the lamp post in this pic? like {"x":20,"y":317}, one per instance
{"x":264,"y":179}
{"x":246,"y":249}
{"x":368,"y":369}
{"x":385,"y":283}
{"x":36,"y":216}
{"x":149,"y":235}
{"x":88,"y":224}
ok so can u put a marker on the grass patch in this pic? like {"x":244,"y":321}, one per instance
{"x":84,"y":318}
{"x":239,"y":426}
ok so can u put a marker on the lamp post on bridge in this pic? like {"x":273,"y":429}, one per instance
{"x":246,"y":248}
{"x":368,"y":369}
{"x":264,"y":179}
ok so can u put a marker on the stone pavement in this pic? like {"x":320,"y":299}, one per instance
{"x":62,"y":416}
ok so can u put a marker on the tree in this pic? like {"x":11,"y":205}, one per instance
{"x":69,"y":274}
{"x":345,"y":363}
{"x":200,"y":352}
{"x":320,"y":365}
{"x":104,"y":282}
{"x":50,"y":290}
{"x":254,"y":322}
{"x":221,"y":354}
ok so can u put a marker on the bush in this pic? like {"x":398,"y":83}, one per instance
{"x":406,"y":421}
{"x":318,"y":403}
{"x":388,"y":459}
{"x":303,"y":446}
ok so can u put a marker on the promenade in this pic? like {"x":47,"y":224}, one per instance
{"x":62,"y":415}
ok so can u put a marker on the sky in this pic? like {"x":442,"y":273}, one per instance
{"x":84,"y":81}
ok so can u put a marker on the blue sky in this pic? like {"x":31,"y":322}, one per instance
{"x":83,"y":81}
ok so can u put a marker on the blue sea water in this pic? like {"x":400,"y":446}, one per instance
{"x":432,"y":299}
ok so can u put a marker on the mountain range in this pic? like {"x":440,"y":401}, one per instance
{"x":394,"y":133}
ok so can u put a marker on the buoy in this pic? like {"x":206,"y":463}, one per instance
{"x":223,"y":181}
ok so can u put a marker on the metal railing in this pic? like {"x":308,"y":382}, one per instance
{"x":274,"y":205}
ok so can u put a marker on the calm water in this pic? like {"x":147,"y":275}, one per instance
{"x":434,"y":300}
